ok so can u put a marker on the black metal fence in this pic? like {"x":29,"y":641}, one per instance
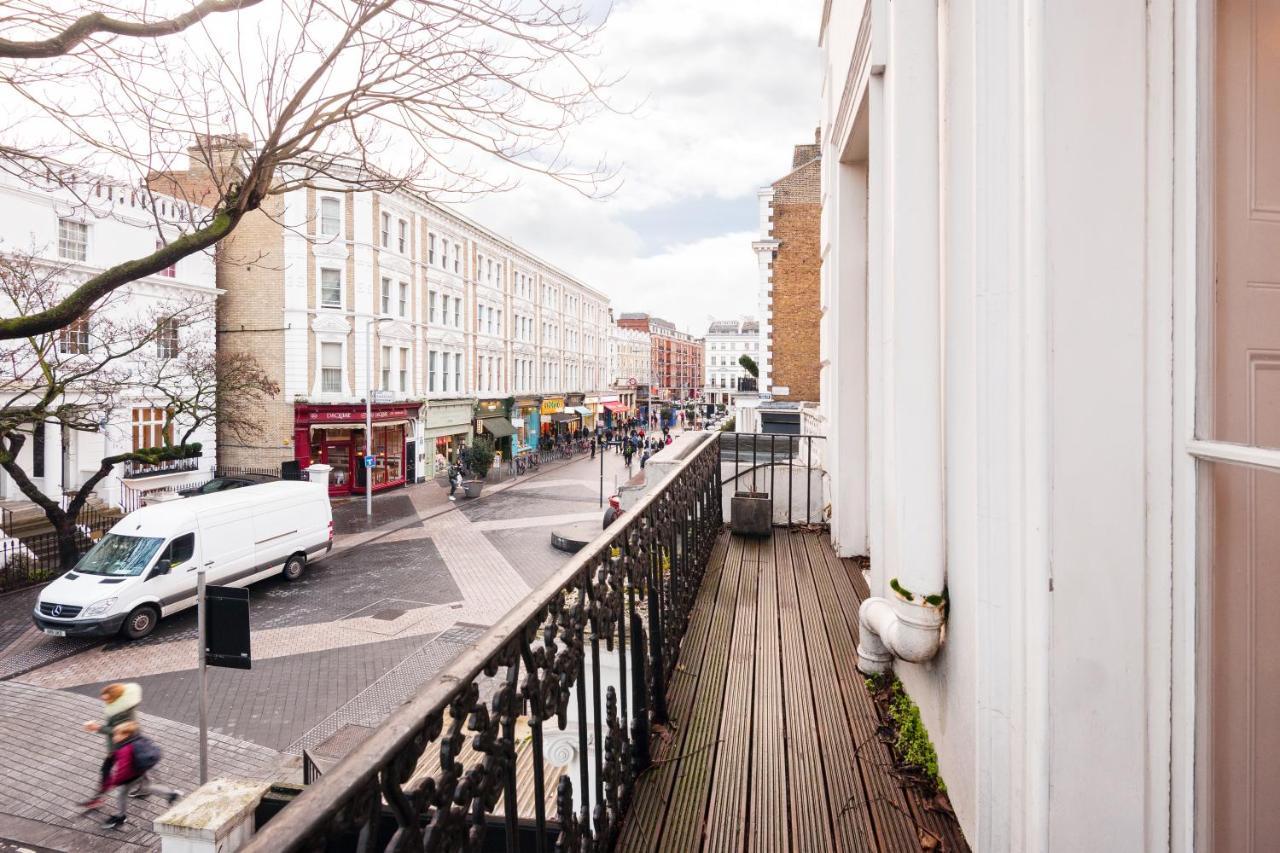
{"x":789,"y":468}
{"x":36,"y":559}
{"x":626,"y":596}
{"x":132,"y":498}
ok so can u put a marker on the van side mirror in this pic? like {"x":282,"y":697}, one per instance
{"x":162,"y":567}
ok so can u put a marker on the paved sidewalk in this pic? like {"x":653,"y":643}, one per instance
{"x":51,"y":766}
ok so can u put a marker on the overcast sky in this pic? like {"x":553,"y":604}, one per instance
{"x":726,"y":88}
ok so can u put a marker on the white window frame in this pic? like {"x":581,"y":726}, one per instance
{"x":341,"y":304}
{"x":337,"y":219}
{"x":385,"y":232}
{"x":341,"y":343}
{"x":81,"y":231}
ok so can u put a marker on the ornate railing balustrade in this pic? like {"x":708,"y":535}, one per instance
{"x":624,"y":601}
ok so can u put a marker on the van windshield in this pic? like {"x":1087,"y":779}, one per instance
{"x":119,"y":556}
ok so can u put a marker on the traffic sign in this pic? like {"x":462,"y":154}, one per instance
{"x":369,"y":460}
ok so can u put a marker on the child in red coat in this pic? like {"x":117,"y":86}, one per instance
{"x":132,"y":758}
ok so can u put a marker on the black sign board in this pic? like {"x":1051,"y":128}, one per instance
{"x":227,"y":627}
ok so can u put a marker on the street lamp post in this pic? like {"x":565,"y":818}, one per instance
{"x":368,"y":414}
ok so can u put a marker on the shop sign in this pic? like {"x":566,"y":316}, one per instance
{"x":550,"y":407}
{"x":355,"y":414}
{"x":491,"y":407}
{"x":518,"y":423}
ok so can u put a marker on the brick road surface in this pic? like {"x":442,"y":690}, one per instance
{"x":51,"y":763}
{"x":394,"y":603}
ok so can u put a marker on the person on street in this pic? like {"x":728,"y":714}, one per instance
{"x":120,"y":703}
{"x":612,"y":511}
{"x":455,"y":480}
{"x":644,"y":457}
{"x":133,"y":757}
{"x":595,"y":439}
{"x":628,"y":451}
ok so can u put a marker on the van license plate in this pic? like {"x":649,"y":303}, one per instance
{"x":55,"y":632}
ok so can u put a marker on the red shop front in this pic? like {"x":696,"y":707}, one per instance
{"x":335,"y":435}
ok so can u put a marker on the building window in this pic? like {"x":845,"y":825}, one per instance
{"x":431,"y":370}
{"x":170,"y":271}
{"x":386,"y":368}
{"x":431,"y":248}
{"x":331,"y":368}
{"x":444,"y":372}
{"x":386,"y":295}
{"x":457,"y":257}
{"x":167,"y":338}
{"x":457,"y":371}
{"x":404,"y":299}
{"x":444,"y":254}
{"x":457,"y":311}
{"x":73,"y":240}
{"x":37,"y":450}
{"x":403,"y":241}
{"x":151,"y":428}
{"x":331,"y":288}
{"x":432,"y":317}
{"x":330,"y":217}
{"x":74,"y":339}
{"x":386,"y":230}
{"x":404,"y":369}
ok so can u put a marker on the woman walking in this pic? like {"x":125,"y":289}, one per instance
{"x":120,"y":703}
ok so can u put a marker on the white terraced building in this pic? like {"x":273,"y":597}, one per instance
{"x":450,"y":327}
{"x":727,"y":341}
{"x":80,"y":234}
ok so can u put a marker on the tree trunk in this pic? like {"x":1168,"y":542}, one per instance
{"x":68,"y":544}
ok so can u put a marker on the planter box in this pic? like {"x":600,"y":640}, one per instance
{"x":471,"y":488}
{"x":751,"y":514}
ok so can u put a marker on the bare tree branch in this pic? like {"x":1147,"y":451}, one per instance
{"x":96,"y":23}
{"x":431,"y":97}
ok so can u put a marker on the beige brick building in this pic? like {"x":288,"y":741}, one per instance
{"x":790,"y":264}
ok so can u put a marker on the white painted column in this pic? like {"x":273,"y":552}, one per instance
{"x":914,"y":277}
{"x":52,"y":459}
{"x":848,"y":354}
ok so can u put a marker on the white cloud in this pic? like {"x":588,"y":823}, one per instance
{"x":726,"y":88}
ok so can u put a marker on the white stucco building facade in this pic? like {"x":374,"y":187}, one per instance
{"x":1047,"y":347}
{"x":726,"y":342}
{"x":79,"y":234}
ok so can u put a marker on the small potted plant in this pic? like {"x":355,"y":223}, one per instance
{"x":479,"y":460}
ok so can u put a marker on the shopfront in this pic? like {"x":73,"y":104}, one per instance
{"x":573,"y":405}
{"x":525,"y":419}
{"x":596,"y":404}
{"x":336,"y":435}
{"x":493,"y":419}
{"x":616,"y":414}
{"x":447,"y":429}
{"x":551,"y":409}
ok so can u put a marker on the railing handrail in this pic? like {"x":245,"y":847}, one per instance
{"x":319,"y":802}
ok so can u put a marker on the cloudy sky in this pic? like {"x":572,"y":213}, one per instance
{"x":725,"y":88}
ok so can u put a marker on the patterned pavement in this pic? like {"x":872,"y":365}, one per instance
{"x":396,"y":601}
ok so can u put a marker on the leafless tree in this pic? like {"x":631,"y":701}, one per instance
{"x":229,"y":109}
{"x":203,"y":387}
{"x":78,"y":376}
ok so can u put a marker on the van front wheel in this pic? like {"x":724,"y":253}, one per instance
{"x":294,"y":567}
{"x":141,"y":622}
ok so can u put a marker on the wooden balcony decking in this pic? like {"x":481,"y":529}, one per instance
{"x":774,"y":740}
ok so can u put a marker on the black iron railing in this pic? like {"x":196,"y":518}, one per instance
{"x":134,"y":468}
{"x":627,"y":596}
{"x":789,"y":468}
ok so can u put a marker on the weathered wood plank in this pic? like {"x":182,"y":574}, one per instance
{"x":645,"y":820}
{"x":769,"y":747}
{"x":808,"y":810}
{"x":847,"y":797}
{"x":887,"y":804}
{"x":727,"y":811}
{"x":700,"y":736}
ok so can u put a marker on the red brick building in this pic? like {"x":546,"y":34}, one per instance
{"x":677,"y":358}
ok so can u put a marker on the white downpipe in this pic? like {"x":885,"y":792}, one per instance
{"x":895,"y":627}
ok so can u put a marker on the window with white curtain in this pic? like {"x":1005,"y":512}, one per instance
{"x":330,"y":217}
{"x":331,"y":367}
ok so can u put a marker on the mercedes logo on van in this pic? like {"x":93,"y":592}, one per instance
{"x":57,"y":610}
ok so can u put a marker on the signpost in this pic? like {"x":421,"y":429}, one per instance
{"x":222,"y":627}
{"x":370,"y":460}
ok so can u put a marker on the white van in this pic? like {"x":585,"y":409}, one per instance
{"x":145,"y":567}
